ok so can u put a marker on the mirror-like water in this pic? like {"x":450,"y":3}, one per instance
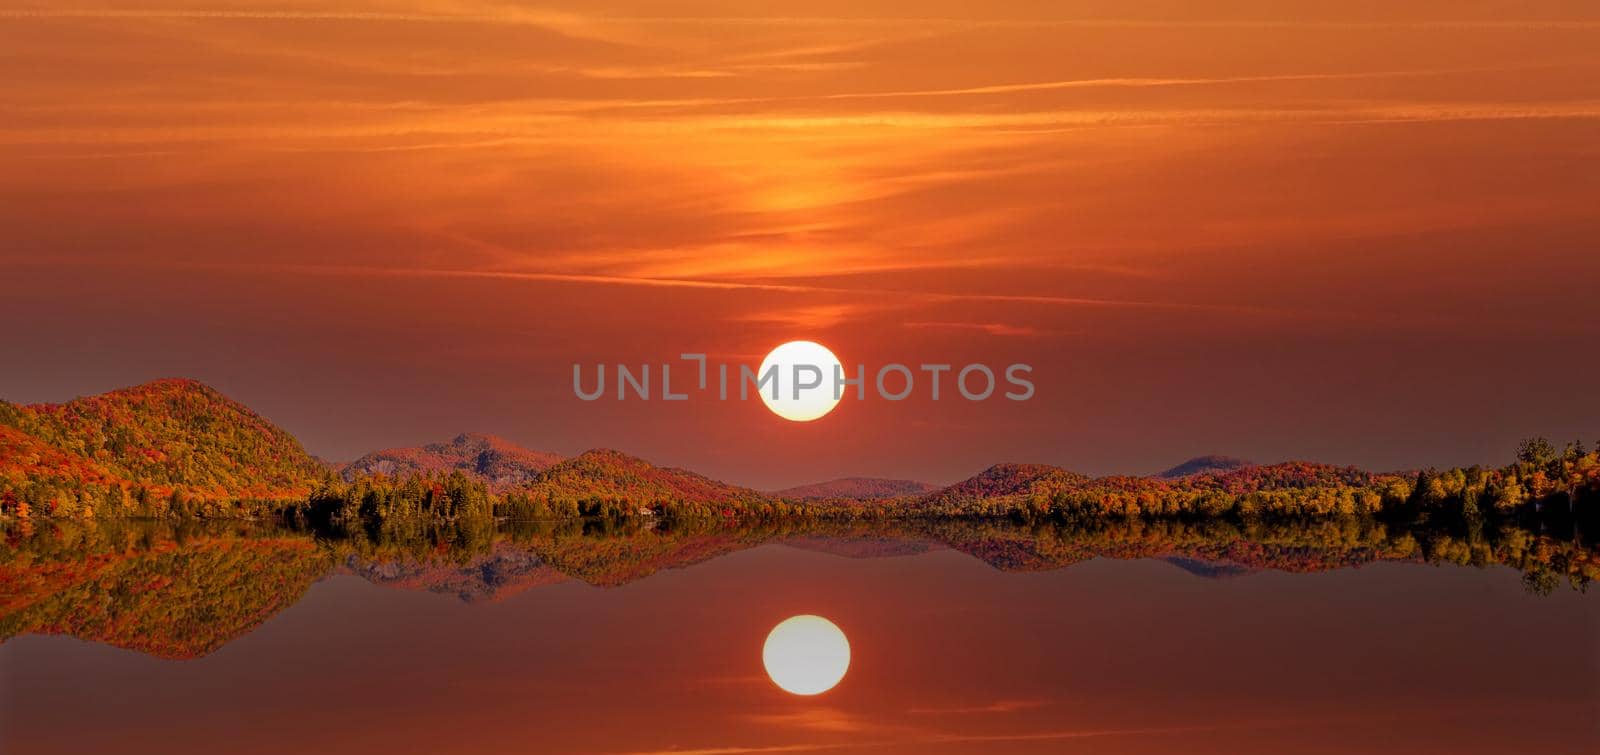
{"x":960,"y":638}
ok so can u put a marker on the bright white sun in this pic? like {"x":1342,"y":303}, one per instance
{"x":805,"y":403}
{"x":806,"y":655}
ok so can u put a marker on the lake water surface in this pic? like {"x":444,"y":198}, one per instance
{"x":653,"y":643}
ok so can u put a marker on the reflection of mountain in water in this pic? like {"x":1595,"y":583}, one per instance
{"x":183,"y":592}
{"x":505,"y":571}
{"x":863,"y":547}
{"x":166,"y":597}
{"x":1208,"y":569}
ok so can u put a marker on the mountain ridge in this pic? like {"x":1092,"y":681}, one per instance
{"x":605,"y":473}
{"x":1204,"y":464}
{"x":1006,"y":481}
{"x":860,"y":488}
{"x":176,"y":447}
{"x":500,"y":464}
{"x":159,"y":438}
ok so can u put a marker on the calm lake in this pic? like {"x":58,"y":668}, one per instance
{"x":960,"y":640}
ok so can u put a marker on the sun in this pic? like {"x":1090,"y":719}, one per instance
{"x":806,"y":403}
{"x":806,"y":655}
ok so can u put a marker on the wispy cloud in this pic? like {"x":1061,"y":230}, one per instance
{"x":845,"y":166}
{"x":521,"y":127}
{"x":926,"y":738}
{"x":997,"y":706}
{"x":830,"y":720}
{"x":811,"y":318}
{"x":992,"y":328}
{"x":1271,"y":314}
{"x":721,"y":285}
{"x":528,"y":16}
{"x":1122,"y":82}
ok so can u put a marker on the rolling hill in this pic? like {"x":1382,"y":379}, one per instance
{"x":1005,"y":482}
{"x":156,"y":438}
{"x":179,"y":448}
{"x":613,"y":475}
{"x":858,"y":488}
{"x":1205,"y":464}
{"x":497,"y":462}
{"x":1288,"y":475}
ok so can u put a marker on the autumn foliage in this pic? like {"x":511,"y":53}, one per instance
{"x":183,"y":589}
{"x":177,"y":448}
{"x":165,"y":447}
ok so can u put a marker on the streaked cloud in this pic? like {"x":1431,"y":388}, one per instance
{"x":997,"y":706}
{"x":991,"y":328}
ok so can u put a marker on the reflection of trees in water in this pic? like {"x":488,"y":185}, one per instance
{"x":184,"y":589}
{"x":170,"y":591}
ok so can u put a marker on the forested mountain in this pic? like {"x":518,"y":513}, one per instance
{"x":1006,"y":482}
{"x":604,"y":474}
{"x":858,"y":488}
{"x":1204,"y":464}
{"x":1546,"y":482}
{"x":176,"y":448}
{"x":131,"y":449}
{"x":497,"y":462}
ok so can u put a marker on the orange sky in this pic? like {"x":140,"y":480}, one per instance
{"x":1361,"y":233}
